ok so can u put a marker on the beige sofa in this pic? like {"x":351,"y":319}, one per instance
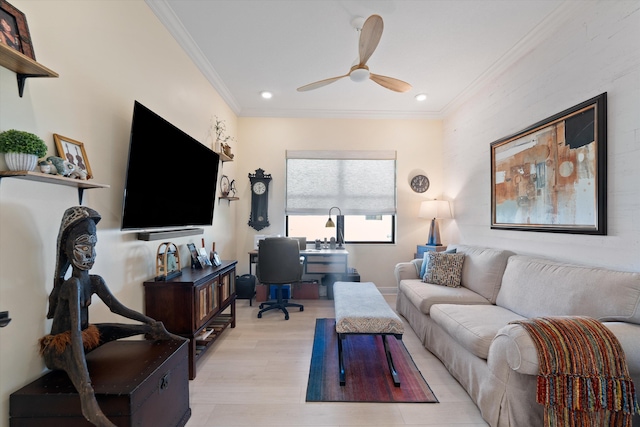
{"x":468,"y":329}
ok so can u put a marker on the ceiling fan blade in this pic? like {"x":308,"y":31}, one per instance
{"x":320,"y":83}
{"x":370,"y":37}
{"x":390,"y":83}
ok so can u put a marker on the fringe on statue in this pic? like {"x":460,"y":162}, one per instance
{"x":90,"y":340}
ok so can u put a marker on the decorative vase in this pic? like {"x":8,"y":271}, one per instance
{"x":20,"y":161}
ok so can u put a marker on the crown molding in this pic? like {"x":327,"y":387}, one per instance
{"x":341,"y":114}
{"x":530,"y":41}
{"x":168,"y":18}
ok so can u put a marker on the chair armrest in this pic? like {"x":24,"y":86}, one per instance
{"x":407,"y":270}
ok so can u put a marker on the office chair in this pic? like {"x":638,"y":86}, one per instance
{"x":278,"y":265}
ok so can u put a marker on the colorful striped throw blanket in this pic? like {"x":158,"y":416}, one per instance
{"x":583,"y":378}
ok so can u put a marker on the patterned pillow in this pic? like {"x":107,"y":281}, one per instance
{"x":444,"y":269}
{"x":425,"y":261}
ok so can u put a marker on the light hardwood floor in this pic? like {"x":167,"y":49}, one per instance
{"x":256,"y":375}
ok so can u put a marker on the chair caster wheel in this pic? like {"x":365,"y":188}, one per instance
{"x":259,"y":315}
{"x":301,"y":308}
{"x":286,"y":317}
{"x":261,"y":306}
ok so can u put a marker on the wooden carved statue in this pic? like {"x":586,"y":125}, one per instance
{"x":71,"y":333}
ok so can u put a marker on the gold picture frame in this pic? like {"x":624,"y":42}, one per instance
{"x":73,"y":152}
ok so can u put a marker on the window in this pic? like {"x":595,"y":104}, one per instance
{"x":362,"y":184}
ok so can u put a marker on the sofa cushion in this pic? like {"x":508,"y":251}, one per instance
{"x":534,"y":287}
{"x":424,"y":295}
{"x":425,"y":261}
{"x":444,"y":269}
{"x":483,"y":268}
{"x":472,"y":326}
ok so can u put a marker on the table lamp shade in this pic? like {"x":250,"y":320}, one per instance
{"x":434,"y":209}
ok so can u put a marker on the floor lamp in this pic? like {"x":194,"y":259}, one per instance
{"x":435,"y":209}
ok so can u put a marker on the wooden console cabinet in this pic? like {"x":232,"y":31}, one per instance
{"x":199,"y":305}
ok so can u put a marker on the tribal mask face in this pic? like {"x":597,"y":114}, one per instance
{"x":84,"y":251}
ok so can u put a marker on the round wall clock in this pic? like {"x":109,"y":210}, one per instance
{"x":259,"y":199}
{"x":420,"y":183}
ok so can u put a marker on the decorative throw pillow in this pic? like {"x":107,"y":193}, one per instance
{"x":425,"y":261}
{"x":444,"y":269}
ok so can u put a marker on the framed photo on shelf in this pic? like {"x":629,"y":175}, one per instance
{"x":14,"y":31}
{"x":552,"y":176}
{"x":215,"y":259}
{"x":73,"y":152}
{"x":195,"y":256}
{"x":204,"y":259}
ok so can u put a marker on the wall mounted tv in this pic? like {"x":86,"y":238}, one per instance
{"x":171,"y":177}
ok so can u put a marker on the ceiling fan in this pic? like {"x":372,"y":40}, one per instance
{"x":369,"y":38}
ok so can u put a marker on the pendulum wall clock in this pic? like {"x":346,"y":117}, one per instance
{"x":258,"y":218}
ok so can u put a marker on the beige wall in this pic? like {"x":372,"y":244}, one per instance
{"x":108,"y":54}
{"x":418,"y":146}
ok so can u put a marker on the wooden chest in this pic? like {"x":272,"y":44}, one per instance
{"x":137,"y":383}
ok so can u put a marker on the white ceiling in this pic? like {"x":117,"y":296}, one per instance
{"x":443,"y":48}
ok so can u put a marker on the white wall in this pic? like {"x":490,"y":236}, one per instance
{"x":108,"y":54}
{"x":595,"y":50}
{"x":418,"y":145}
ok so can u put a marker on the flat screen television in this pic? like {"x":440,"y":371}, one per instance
{"x":171,"y":177}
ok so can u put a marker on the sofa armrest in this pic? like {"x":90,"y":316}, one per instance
{"x":516,"y":346}
{"x":407,"y":270}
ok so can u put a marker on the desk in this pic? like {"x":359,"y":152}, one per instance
{"x":317,"y":261}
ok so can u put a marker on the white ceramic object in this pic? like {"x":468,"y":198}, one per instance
{"x":20,"y":161}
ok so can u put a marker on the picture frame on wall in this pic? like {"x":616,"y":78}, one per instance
{"x":73,"y":152}
{"x":14,"y":31}
{"x":552,"y":176}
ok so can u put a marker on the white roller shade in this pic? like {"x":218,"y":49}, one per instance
{"x":358,"y":182}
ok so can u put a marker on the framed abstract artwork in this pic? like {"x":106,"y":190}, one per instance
{"x":552,"y":176}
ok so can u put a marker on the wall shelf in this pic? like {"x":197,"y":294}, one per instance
{"x":23,"y":66}
{"x":224,"y":157}
{"x":80,"y":184}
{"x":228,"y":199}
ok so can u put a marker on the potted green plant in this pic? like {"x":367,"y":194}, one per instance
{"x":21,"y":149}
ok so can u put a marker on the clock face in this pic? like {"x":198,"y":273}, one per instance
{"x":420,"y":183}
{"x":259,"y":187}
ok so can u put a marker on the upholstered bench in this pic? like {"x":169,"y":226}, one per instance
{"x":361,"y":309}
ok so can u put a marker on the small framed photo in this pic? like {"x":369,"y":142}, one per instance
{"x":73,"y":152}
{"x":215,"y":259}
{"x":195,"y":256}
{"x":14,"y":31}
{"x":204,"y":259}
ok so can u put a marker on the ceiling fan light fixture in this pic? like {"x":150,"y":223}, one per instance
{"x":421,"y":97}
{"x":359,"y":75}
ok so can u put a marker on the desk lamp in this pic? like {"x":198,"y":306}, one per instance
{"x":340,"y":230}
{"x":434,"y":209}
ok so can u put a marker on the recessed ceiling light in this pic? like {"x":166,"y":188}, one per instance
{"x":266,"y":94}
{"x":421,"y":97}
